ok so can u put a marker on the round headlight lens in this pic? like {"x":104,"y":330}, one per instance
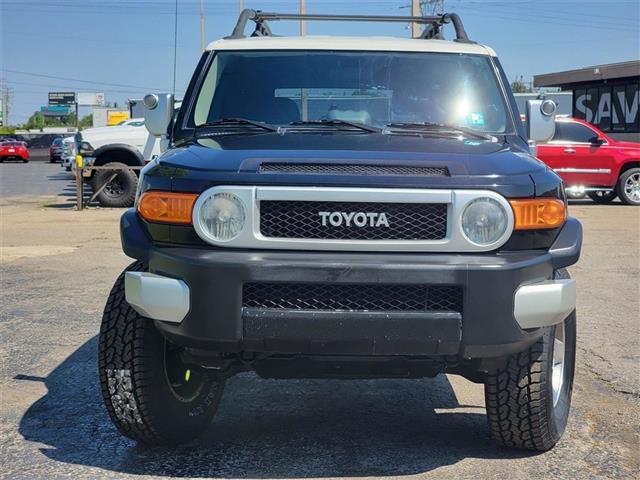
{"x":222,"y":216}
{"x":484,"y":221}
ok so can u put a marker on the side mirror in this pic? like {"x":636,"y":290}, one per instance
{"x":158,"y":113}
{"x":597,"y":141}
{"x":541,"y":121}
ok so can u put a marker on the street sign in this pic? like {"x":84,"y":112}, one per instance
{"x":87,"y":99}
{"x":62,"y":98}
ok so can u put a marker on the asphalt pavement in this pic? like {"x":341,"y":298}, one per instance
{"x":58,"y":265}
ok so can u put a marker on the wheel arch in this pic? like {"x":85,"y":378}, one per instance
{"x":628,"y":166}
{"x":120,"y":152}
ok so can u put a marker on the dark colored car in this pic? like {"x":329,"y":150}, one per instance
{"x":56,"y":150}
{"x":14,"y":150}
{"x":344,"y":208}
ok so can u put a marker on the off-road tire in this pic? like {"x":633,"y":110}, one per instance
{"x":622,"y":193}
{"x":519,"y":397}
{"x":126,"y":191}
{"x":135,"y":384}
{"x":603,"y":198}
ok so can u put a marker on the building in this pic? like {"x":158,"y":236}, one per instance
{"x":605,"y":95}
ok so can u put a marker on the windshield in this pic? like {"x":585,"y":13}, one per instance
{"x":373,"y":88}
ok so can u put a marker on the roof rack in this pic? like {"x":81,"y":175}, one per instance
{"x":433,"y":24}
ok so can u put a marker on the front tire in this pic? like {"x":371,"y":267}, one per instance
{"x":121,"y":191}
{"x":151,"y":395}
{"x":629,"y":187}
{"x":528,"y":400}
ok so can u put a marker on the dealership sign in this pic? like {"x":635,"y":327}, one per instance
{"x":609,"y":107}
{"x":62,"y":98}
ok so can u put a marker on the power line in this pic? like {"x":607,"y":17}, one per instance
{"x":77,"y":80}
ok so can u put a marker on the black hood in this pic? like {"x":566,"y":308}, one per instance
{"x":503,"y":165}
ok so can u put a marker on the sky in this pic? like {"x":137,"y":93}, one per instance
{"x":125,"y":48}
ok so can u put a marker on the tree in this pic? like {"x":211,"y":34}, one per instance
{"x":39,"y":120}
{"x":86,"y":121}
{"x":519,"y":86}
{"x":36,"y":121}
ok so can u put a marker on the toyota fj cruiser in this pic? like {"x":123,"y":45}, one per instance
{"x":344,"y":208}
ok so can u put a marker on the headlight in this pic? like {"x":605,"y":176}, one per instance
{"x":222,"y":216}
{"x":484,"y":221}
{"x":85,"y":147}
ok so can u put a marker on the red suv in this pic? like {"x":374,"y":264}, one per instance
{"x":591,"y":162}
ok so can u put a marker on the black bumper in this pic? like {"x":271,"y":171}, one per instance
{"x":485,"y":327}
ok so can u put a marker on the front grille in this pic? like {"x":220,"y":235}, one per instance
{"x":351,"y":169}
{"x":406,"y":221}
{"x":349,"y":297}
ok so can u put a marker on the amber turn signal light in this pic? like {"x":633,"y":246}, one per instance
{"x":167,"y":207}
{"x":539,"y":213}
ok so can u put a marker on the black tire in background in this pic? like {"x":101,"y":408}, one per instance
{"x":151,"y":395}
{"x":521,"y":407}
{"x":603,"y":197}
{"x":629,"y":187}
{"x":121,"y":191}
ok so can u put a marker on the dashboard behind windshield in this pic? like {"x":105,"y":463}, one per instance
{"x":373,"y":88}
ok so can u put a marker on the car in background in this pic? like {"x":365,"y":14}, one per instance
{"x":68,"y":153}
{"x":118,"y":146}
{"x":592,"y":163}
{"x":14,"y":150}
{"x":55,"y":150}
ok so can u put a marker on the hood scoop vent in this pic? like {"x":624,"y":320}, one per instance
{"x":352,"y":169}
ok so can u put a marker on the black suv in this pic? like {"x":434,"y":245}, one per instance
{"x":344,"y":208}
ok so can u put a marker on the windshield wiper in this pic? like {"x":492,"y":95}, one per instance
{"x":238,"y":122}
{"x":336,"y":122}
{"x":440,"y":128}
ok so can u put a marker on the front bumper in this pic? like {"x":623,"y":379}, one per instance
{"x":498,"y":315}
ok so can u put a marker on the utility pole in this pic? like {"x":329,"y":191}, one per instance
{"x":202,"y":45}
{"x":303,"y":25}
{"x":6,"y":102}
{"x":415,"y":12}
{"x":240,"y":5}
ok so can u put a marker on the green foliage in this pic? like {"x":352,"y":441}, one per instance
{"x":86,"y":121}
{"x":519,"y":86}
{"x":38,"y":121}
{"x":7,"y":130}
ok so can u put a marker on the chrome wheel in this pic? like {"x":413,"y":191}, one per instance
{"x":557,"y":371}
{"x":632,"y":187}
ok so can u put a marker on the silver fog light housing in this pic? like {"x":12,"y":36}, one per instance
{"x":484,"y":221}
{"x":222,"y":217}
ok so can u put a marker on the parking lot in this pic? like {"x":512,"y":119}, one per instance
{"x":58,"y":266}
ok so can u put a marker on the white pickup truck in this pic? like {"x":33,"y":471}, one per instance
{"x":118,"y":145}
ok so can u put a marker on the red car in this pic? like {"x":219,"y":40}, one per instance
{"x":591,"y":162}
{"x":13,"y":150}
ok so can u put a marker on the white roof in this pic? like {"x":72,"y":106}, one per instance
{"x":382,"y":44}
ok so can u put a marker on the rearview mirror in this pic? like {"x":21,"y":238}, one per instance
{"x":158,"y":112}
{"x":541,"y":121}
